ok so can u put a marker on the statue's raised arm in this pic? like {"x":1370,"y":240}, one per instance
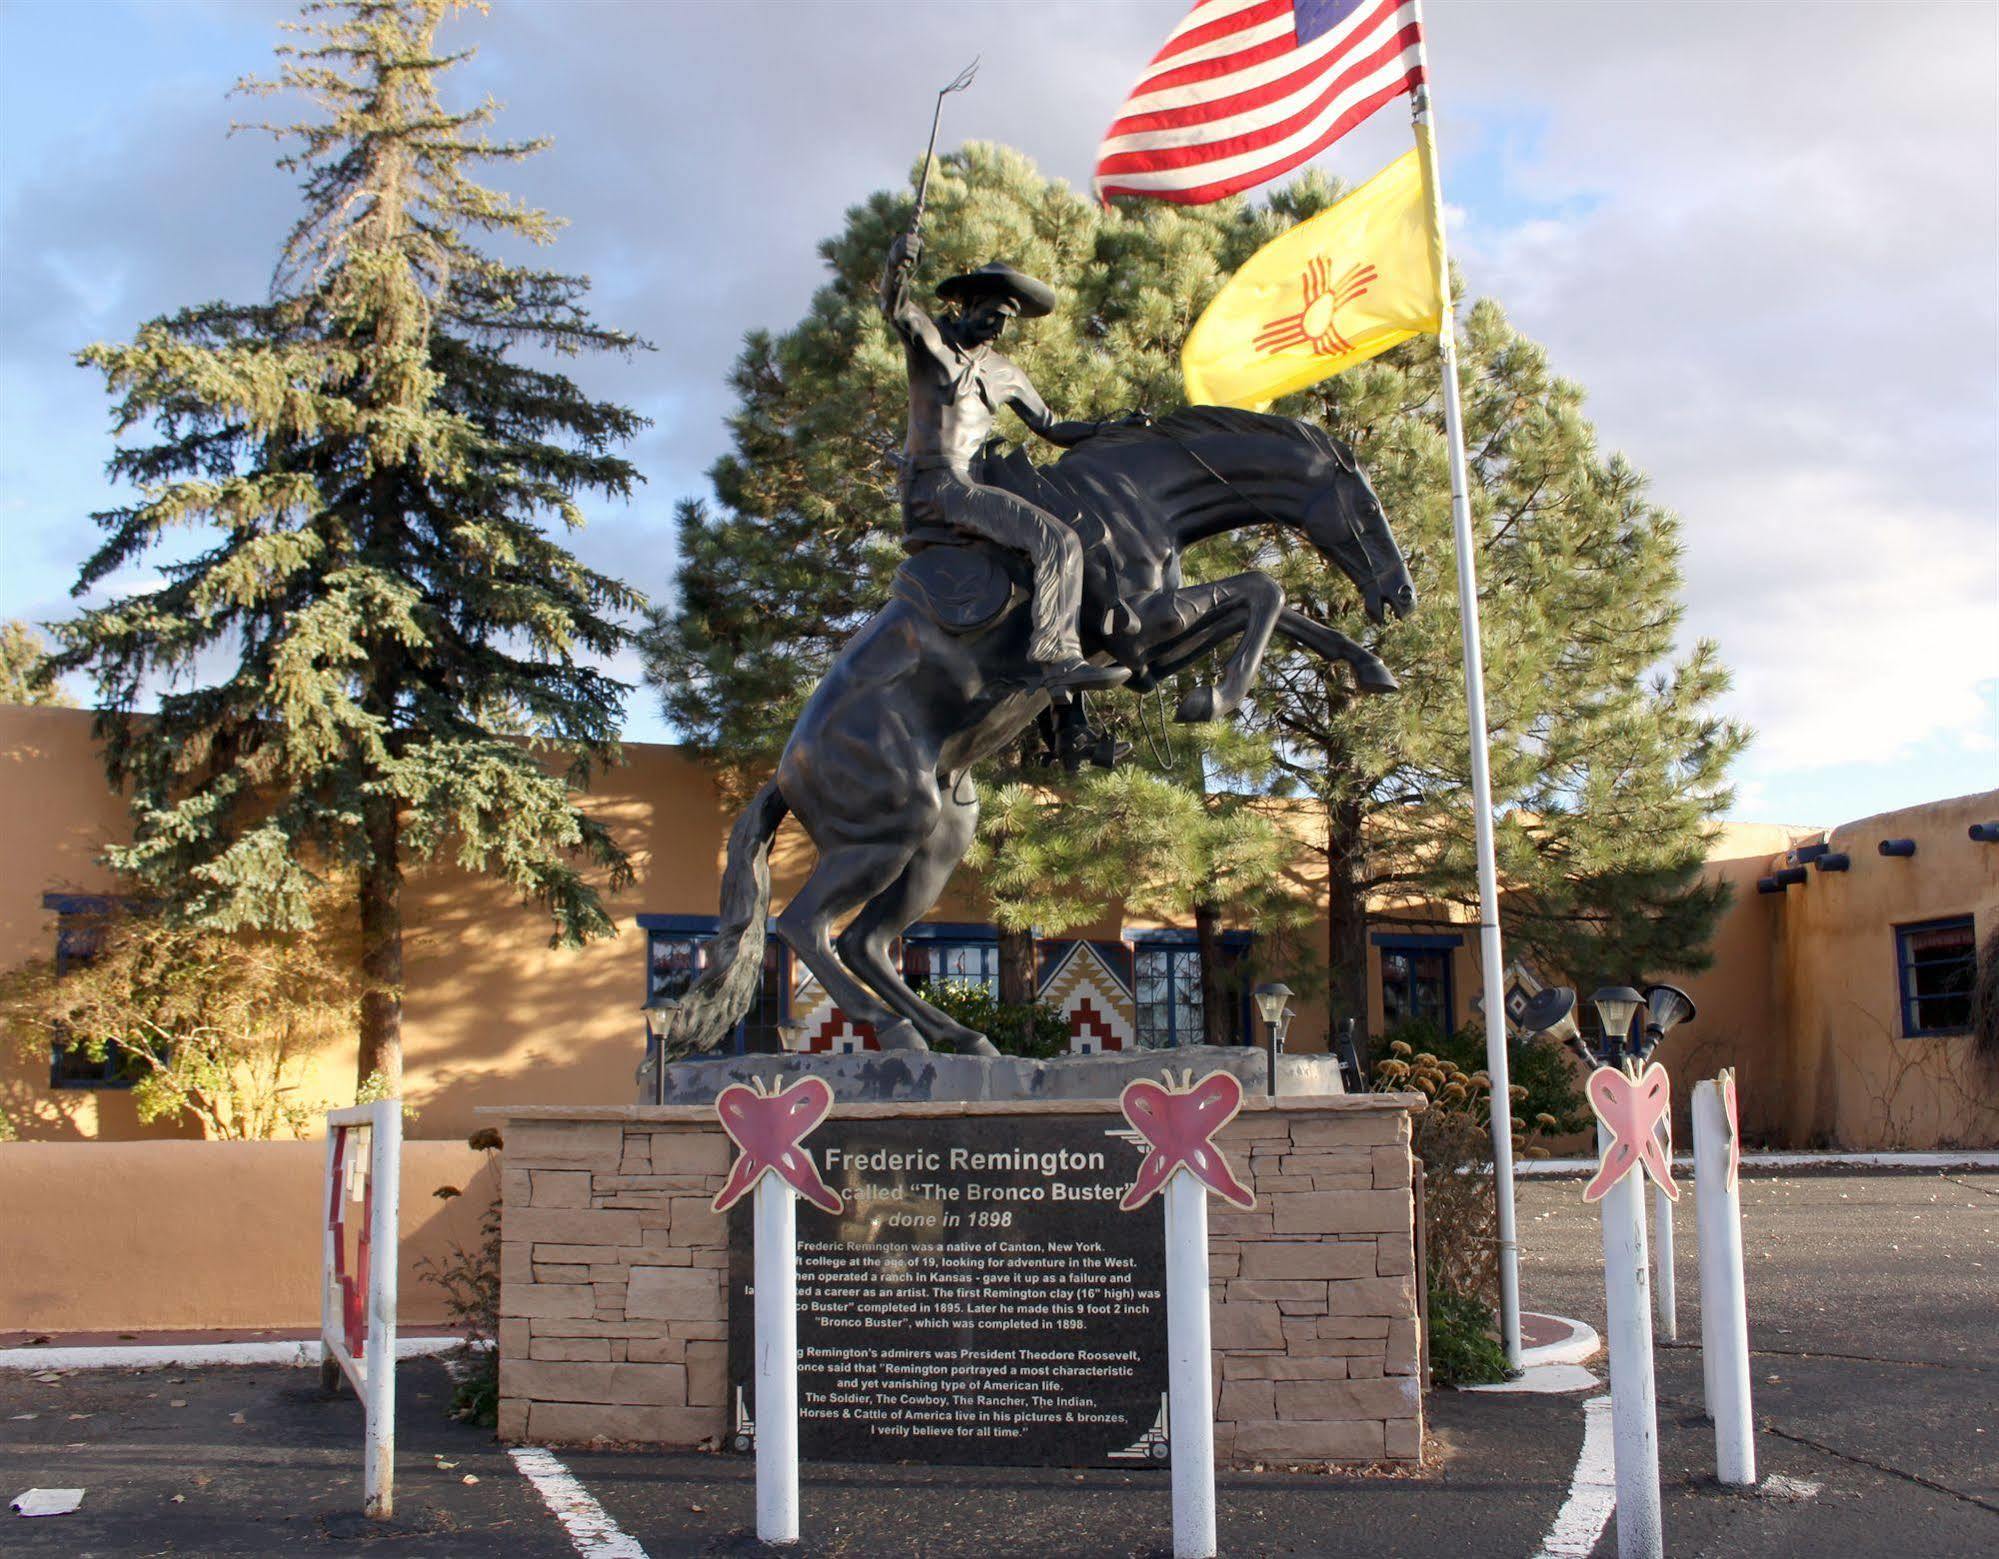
{"x":897,"y":307}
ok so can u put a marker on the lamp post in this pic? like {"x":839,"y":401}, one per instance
{"x":1273,"y":1004}
{"x":1666,"y":1007}
{"x":1634,"y":1402}
{"x":1630,"y":1099}
{"x":655,"y":1057}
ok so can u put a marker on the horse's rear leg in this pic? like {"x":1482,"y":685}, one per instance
{"x":844,"y":879}
{"x":865,"y":943}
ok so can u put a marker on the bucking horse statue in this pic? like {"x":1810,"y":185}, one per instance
{"x":879,"y":766}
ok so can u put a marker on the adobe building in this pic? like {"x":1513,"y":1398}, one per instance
{"x":1840,"y":988}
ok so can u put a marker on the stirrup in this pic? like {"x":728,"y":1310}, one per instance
{"x":1080,"y":676}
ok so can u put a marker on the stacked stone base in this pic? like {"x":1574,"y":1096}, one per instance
{"x":613,"y":1310}
{"x":614,"y":1277}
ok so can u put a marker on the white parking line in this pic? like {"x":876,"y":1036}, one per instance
{"x":593,"y":1533}
{"x":1592,"y":1491}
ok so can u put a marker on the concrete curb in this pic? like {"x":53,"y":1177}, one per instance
{"x":1554,"y":1367}
{"x":1579,"y":1346}
{"x":150,"y":1355}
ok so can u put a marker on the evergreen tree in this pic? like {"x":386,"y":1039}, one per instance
{"x":1608,"y":761}
{"x":25,"y":674}
{"x":381,"y":651}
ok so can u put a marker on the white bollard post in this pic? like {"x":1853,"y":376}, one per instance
{"x":1704,"y":1270}
{"x":1191,"y":1406}
{"x":776,"y":1276}
{"x":1634,"y":1406}
{"x":1724,"y":1306}
{"x":1667,"y":1291}
{"x":385,"y":1148}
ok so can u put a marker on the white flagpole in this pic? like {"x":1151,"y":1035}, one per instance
{"x":1481,"y":777}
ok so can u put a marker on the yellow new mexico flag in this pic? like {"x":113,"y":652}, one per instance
{"x":1360,"y":277}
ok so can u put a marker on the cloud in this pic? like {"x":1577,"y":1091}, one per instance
{"x":1763,"y":237}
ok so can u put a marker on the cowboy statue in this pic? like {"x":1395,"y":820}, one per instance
{"x":957,"y":384}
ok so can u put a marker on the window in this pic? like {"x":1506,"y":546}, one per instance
{"x":1938,"y":964}
{"x":959,"y":954}
{"x":79,"y":935}
{"x":1168,"y":990}
{"x":677,"y":952}
{"x":673,"y":962}
{"x":1416,"y":981}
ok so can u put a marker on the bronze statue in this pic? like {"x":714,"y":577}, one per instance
{"x":878,"y":768}
{"x":982,"y":635}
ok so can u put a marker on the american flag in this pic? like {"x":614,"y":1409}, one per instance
{"x":1245,"y":90}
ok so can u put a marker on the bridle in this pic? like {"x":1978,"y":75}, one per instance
{"x":1346,"y":462}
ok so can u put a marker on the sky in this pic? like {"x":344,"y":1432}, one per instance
{"x":1765,"y":237}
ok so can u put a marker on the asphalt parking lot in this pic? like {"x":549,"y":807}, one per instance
{"x":1873,"y":1309}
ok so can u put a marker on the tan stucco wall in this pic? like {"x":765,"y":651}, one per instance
{"x":1853,"y":1078}
{"x":56,"y":814}
{"x":1738,"y":1017}
{"x":160,"y":1236}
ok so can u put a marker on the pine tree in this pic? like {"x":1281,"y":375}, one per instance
{"x":381,"y":652}
{"x":1608,"y":759}
{"x":25,"y":674}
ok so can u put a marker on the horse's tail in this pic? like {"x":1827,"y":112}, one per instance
{"x":716,"y":1002}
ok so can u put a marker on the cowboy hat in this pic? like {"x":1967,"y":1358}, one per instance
{"x":997,"y":278}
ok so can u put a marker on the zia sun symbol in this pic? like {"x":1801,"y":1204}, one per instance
{"x":1314,"y":323}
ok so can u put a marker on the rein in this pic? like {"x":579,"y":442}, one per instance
{"x":1353,"y":528}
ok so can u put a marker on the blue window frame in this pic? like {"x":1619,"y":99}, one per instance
{"x":677,"y":952}
{"x":1416,"y":982}
{"x":946,"y":951}
{"x":1937,"y":963}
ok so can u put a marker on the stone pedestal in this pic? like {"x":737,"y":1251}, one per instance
{"x":613,"y":1298}
{"x":887,"y":1076}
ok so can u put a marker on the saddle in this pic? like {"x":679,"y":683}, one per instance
{"x":960,"y":585}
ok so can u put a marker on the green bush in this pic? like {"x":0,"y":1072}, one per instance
{"x":1032,"y":1029}
{"x":1464,"y":1346}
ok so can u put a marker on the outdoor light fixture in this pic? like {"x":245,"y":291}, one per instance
{"x":1270,"y":1002}
{"x":1553,"y":1012}
{"x":1615,"y":1005}
{"x":791,"y":1034}
{"x":1273,"y":1006}
{"x":1666,"y":1008}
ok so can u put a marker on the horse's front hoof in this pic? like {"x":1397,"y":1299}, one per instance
{"x":1371,"y":676}
{"x":901,"y":1035}
{"x":977,"y":1045}
{"x":1201,"y":705}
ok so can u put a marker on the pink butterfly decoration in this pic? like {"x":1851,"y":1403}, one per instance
{"x":767,"y":1129}
{"x":1633,"y":1109}
{"x":1734,"y":1126}
{"x":1179,"y":1125}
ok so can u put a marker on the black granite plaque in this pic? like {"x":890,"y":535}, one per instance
{"x":979,"y":1299}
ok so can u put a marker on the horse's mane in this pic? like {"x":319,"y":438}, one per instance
{"x":1092,"y":477}
{"x":1193,"y":421}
